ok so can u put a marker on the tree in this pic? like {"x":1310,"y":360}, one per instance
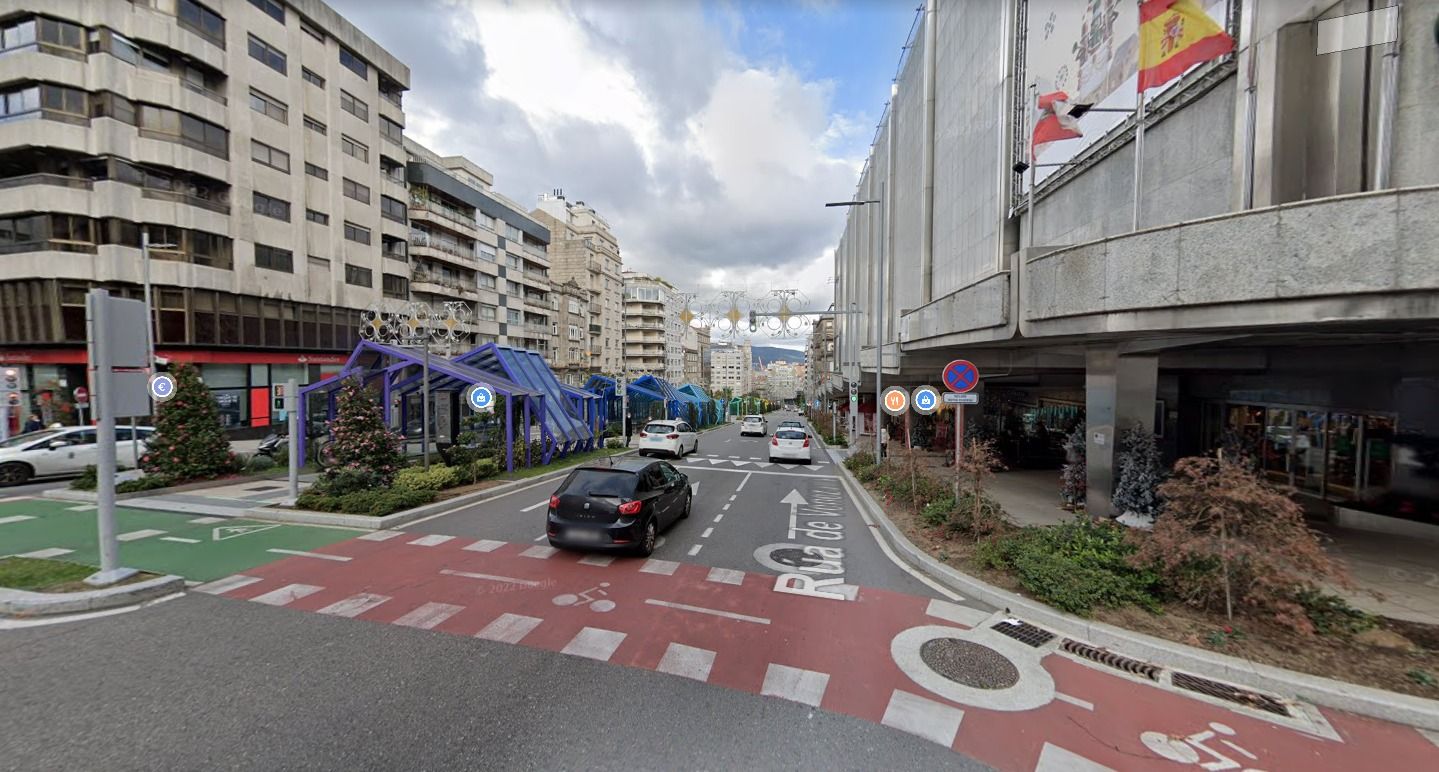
{"x":189,"y":442}
{"x":1074,"y":477}
{"x":976,"y":466}
{"x":1140,"y":473}
{"x":362,"y":443}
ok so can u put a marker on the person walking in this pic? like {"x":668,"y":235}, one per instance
{"x":32,"y":424}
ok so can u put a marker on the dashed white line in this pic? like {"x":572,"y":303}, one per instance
{"x":923,"y":717}
{"x":695,"y":550}
{"x":1053,"y":758}
{"x":434,"y":539}
{"x":733,"y":497}
{"x":533,"y":507}
{"x":53,"y":552}
{"x":484,"y":545}
{"x":657,"y":566}
{"x":144,"y":533}
{"x":381,"y":535}
{"x":795,"y":684}
{"x":719,"y":517}
{"x":304,"y":554}
{"x":15,"y":519}
{"x":742,"y":482}
{"x":711,"y":611}
{"x":426,"y":617}
{"x":180,"y":539}
{"x":1062,"y":697}
{"x":287,"y":594}
{"x":354,"y":605}
{"x":222,"y":586}
{"x":725,"y":576}
{"x":491,"y":577}
{"x":724,"y":508}
{"x":81,"y":508}
{"x":687,"y":661}
{"x":595,"y":643}
{"x":509,"y":628}
{"x":707,"y":533}
{"x":541,"y":552}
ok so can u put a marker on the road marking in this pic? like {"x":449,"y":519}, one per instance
{"x":354,"y":605}
{"x":724,"y":508}
{"x":427,"y":616}
{"x":453,"y":510}
{"x":207,"y":520}
{"x":1086,"y":704}
{"x":764,"y":464}
{"x":889,"y":553}
{"x":381,"y":535}
{"x":795,"y":684}
{"x":734,"y":456}
{"x":542,"y":537}
{"x":711,"y":611}
{"x":733,"y":497}
{"x":223,"y":532}
{"x":657,"y":566}
{"x":742,"y":482}
{"x":953,"y":612}
{"x":141,"y":534}
{"x":180,"y":539}
{"x":287,"y":594}
{"x":807,"y":475}
{"x":595,"y":643}
{"x":533,"y":507}
{"x":695,"y":550}
{"x":687,"y":661}
{"x":714,"y":461}
{"x":725,"y":576}
{"x":541,"y":552}
{"x":739,"y":463}
{"x":1056,"y":759}
{"x":1431,"y":736}
{"x":707,"y":533}
{"x":433,"y":540}
{"x":923,"y":717}
{"x":81,"y":508}
{"x":14,"y":498}
{"x":785,"y":466}
{"x":719,"y":517}
{"x":222,"y":586}
{"x":491,"y":577}
{"x":597,"y":560}
{"x":509,"y":628}
{"x":52,"y":552}
{"x":15,"y":519}
{"x":304,"y":554}
{"x":484,"y":545}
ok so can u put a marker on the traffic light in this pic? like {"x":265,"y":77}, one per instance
{"x":753,"y":322}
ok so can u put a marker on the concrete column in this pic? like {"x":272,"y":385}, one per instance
{"x":1119,"y":392}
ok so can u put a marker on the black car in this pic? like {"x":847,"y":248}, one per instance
{"x":618,"y":506}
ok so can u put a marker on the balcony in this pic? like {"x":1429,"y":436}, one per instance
{"x":425,"y":210}
{"x":446,"y":248}
{"x":534,"y":250}
{"x":59,"y":180}
{"x":432,"y":284}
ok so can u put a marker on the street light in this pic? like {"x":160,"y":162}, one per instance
{"x":879,"y":352}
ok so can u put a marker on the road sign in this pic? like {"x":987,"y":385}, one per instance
{"x":925,"y":399}
{"x":953,"y":398}
{"x":162,"y":387}
{"x":82,"y":395}
{"x":479,"y":398}
{"x":896,"y":400}
{"x":961,"y":376}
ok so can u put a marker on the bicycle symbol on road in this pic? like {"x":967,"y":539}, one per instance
{"x":587,"y":597}
{"x":1185,"y":750}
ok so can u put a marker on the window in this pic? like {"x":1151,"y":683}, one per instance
{"x":18,"y":102}
{"x":512,"y":262}
{"x":267,"y":55}
{"x":261,"y":102}
{"x":513,"y":234}
{"x":270,"y":206}
{"x":354,"y":63}
{"x":353,"y":106}
{"x":273,"y":9}
{"x":392,"y":131}
{"x":60,"y":99}
{"x":357,"y":150}
{"x":202,"y":21}
{"x":311,"y":78}
{"x":574,"y":306}
{"x":319,"y":261}
{"x":486,"y":281}
{"x":395,"y":249}
{"x":17,"y":34}
{"x":513,"y":316}
{"x":312,"y":31}
{"x":317,"y":217}
{"x":274,"y":258}
{"x":487,"y":313}
{"x":315,"y":126}
{"x":394,"y":286}
{"x":487,"y":222}
{"x":360,"y":277}
{"x":511,"y":288}
{"x":62,"y":34}
{"x":575,"y":333}
{"x":357,"y":233}
{"x":392,"y":208}
{"x":356,"y":191}
{"x":272,"y":157}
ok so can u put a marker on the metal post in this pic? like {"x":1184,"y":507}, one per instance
{"x":1251,"y":104}
{"x":1033,"y":161}
{"x":292,"y":416}
{"x":958,"y":446}
{"x":149,"y":333}
{"x":102,"y":377}
{"x":425,"y":407}
{"x":624,"y":409}
{"x":1389,"y":97}
{"x":879,"y":352}
{"x":1138,"y":156}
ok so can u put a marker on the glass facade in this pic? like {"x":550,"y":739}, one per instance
{"x":1341,"y":456}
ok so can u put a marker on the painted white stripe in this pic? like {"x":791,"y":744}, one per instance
{"x":923,"y":717}
{"x":207,"y":520}
{"x":657,"y":566}
{"x":81,"y":508}
{"x":597,"y":560}
{"x":141,"y":534}
{"x":432,"y":540}
{"x":287,"y":594}
{"x":533,"y":507}
{"x":491,"y":577}
{"x":796,"y":684}
{"x":740,"y":463}
{"x":354,"y":605}
{"x":734,"y":456}
{"x":714,"y":461}
{"x":427,"y":616}
{"x":695,"y":489}
{"x":222,"y":586}
{"x":180,"y":539}
{"x":15,"y":519}
{"x":1086,"y":704}
{"x":707,"y":533}
{"x":695,"y":550}
{"x":785,"y":466}
{"x":304,"y":554}
{"x":52,"y":552}
{"x":484,"y":545}
{"x":687,"y":661}
{"x":594,"y":643}
{"x":742,"y":482}
{"x":719,"y":517}
{"x":733,"y":496}
{"x":13,"y":498}
{"x":725,"y":576}
{"x":725,"y":508}
{"x":509,"y":628}
{"x":1431,"y":735}
{"x":762,"y":464}
{"x":543,"y":551}
{"x":381,"y":535}
{"x":711,"y":611}
{"x":1056,"y":759}
{"x":542,"y":537}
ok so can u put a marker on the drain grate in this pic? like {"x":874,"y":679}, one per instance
{"x":1024,"y":632}
{"x":1110,"y":659}
{"x":1231,"y":693}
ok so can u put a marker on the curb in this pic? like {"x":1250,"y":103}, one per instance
{"x":90,"y":497}
{"x":22,"y":603}
{"x":1362,"y":700}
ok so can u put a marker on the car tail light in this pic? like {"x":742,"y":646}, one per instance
{"x":806,"y":442}
{"x":631,"y":508}
{"x":774,"y":441}
{"x":643,"y":435}
{"x":672,"y":436}
{"x":554,"y":502}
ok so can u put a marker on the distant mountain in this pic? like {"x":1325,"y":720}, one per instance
{"x":769,"y":354}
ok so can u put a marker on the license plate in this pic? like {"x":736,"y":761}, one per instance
{"x":578,"y":534}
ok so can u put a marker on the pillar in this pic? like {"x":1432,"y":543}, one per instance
{"x":1119,"y":392}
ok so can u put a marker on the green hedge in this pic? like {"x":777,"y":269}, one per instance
{"x":437,"y":478}
{"x":1074,"y":566}
{"x":375,"y":503}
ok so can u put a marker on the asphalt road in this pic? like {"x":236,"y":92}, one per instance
{"x":34,"y":488}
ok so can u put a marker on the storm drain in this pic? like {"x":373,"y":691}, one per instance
{"x":1110,"y":659}
{"x":969,"y":663}
{"x":1024,"y":632}
{"x":1231,"y":693}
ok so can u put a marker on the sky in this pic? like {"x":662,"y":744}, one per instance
{"x":709,"y":134}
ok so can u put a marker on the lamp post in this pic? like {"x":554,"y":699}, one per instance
{"x":879,"y":306}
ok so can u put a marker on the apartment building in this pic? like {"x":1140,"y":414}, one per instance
{"x":697,"y":354}
{"x":583,"y":248}
{"x":782,"y":380}
{"x":653,"y":345}
{"x":820,"y":362}
{"x":572,"y":352}
{"x":731,"y":368}
{"x":250,"y":142}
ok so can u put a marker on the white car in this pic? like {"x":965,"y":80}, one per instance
{"x":753,"y":424}
{"x":55,"y":452}
{"x":673,"y":437}
{"x":790,"y":445}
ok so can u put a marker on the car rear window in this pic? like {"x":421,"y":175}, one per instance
{"x":659,"y":428}
{"x":753,"y":419}
{"x":790,"y":434}
{"x":601,"y":482}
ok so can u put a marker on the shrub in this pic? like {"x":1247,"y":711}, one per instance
{"x":258,"y":463}
{"x":189,"y":442}
{"x":89,"y":480}
{"x":146,"y":483}
{"x":614,"y":442}
{"x":361,"y":440}
{"x":341,"y":481}
{"x":977,"y":513}
{"x":437,"y":478}
{"x":981,"y":519}
{"x":375,"y":503}
{"x":858,"y":461}
{"x":481,"y":468}
{"x":1332,"y":615}
{"x":1074,"y":566}
{"x":937,"y":512}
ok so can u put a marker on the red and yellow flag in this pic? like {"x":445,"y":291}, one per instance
{"x":1175,"y":35}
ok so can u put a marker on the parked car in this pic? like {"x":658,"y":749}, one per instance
{"x":622,"y":505}
{"x":57,"y":452}
{"x":792,"y":424}
{"x":673,"y":437}
{"x":753,"y":424}
{"x":790,"y":445}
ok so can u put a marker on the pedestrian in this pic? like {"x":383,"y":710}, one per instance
{"x":32,"y":424}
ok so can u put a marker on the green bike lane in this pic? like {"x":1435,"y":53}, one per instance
{"x":198,"y":548}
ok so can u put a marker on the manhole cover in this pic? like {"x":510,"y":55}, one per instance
{"x":791,"y":557}
{"x":969,"y":663}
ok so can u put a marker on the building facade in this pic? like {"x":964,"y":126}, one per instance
{"x":780,"y":381}
{"x":572,"y":356}
{"x":697,"y":353}
{"x":820,"y":364}
{"x":654,"y":338}
{"x":731,"y":369}
{"x":583,"y":248}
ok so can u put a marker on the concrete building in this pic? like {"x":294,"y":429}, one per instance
{"x":780,"y":381}
{"x":257,"y":144}
{"x":583,"y":248}
{"x":730,"y":369}
{"x":1279,"y":293}
{"x":653,"y":345}
{"x":574,"y":343}
{"x":820,"y":363}
{"x":697,"y":353}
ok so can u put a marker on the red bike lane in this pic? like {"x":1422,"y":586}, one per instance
{"x":930,"y":668}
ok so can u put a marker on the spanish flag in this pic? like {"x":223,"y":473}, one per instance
{"x":1175,"y":35}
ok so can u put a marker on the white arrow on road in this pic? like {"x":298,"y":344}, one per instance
{"x":794,"y":500}
{"x":694,"y":489}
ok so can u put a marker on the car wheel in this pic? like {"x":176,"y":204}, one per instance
{"x":646,"y":547}
{"x":15,"y":473}
{"x":689,"y":503}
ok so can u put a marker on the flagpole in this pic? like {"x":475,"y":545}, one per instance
{"x":1033,"y":158}
{"x":1138,"y":155}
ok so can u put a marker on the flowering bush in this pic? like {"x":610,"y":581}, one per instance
{"x":361,"y":442}
{"x":189,"y":442}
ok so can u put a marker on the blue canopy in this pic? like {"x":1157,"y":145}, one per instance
{"x":568,"y":423}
